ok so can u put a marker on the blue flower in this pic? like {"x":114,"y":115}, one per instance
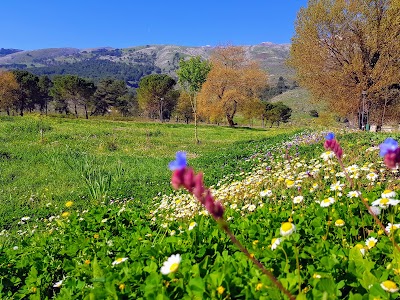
{"x":179,"y":163}
{"x":330,"y":136}
{"x":388,"y":145}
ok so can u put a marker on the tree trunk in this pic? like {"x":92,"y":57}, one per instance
{"x":194,"y":107}
{"x":86,"y":112}
{"x":76,"y":111}
{"x":229,"y":117}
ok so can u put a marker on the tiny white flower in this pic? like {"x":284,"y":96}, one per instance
{"x":298,"y":199}
{"x":192,"y":225}
{"x":353,"y":194}
{"x":337,"y":186}
{"x":119,"y":260}
{"x":391,"y":226}
{"x":104,"y":221}
{"x":173,"y":232}
{"x":371,"y":242}
{"x":266,"y":193}
{"x":327,"y":202}
{"x":15,"y":248}
{"x":251,"y":207}
{"x":171,"y":265}
{"x":372,"y":176}
{"x":58,"y":284}
{"x":24,"y":219}
{"x":275,"y":242}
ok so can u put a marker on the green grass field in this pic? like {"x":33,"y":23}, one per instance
{"x":51,"y":160}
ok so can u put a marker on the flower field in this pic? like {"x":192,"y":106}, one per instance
{"x":325,"y":228}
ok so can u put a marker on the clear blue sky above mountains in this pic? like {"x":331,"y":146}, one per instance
{"x":30,"y":25}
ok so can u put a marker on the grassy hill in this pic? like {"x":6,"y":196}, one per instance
{"x":299,"y":100}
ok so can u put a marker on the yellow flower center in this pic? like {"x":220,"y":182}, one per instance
{"x":326,"y":200}
{"x":287,"y":226}
{"x":390,"y":285}
{"x":384,"y":201}
{"x":371,"y":244}
{"x":119,"y":260}
{"x":192,"y":224}
{"x":273,"y":241}
{"x":69,"y":204}
{"x":174,"y":267}
{"x":359,"y":246}
{"x":387,"y":191}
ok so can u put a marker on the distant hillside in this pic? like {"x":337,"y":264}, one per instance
{"x":130,"y":64}
{"x":4,"y":51}
{"x":299,"y":100}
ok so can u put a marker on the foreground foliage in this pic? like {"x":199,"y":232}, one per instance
{"x":170,"y":248}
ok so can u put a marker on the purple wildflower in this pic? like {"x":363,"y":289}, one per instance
{"x":330,"y":136}
{"x":179,"y":163}
{"x":389,"y":145}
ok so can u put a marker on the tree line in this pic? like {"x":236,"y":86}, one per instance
{"x":214,"y":90}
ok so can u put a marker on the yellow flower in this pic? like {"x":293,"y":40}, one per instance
{"x":289,"y":183}
{"x":255,"y":242}
{"x":65,"y":214}
{"x":87,"y":262}
{"x":339,"y":223}
{"x":259,"y":286}
{"x":121,"y":286}
{"x":69,"y":204}
{"x":220,"y":290}
{"x":389,"y":286}
{"x":96,"y":235}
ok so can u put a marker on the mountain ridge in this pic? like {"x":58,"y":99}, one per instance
{"x":150,"y":58}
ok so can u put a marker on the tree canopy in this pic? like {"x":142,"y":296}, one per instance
{"x":233,"y":84}
{"x":346,"y":50}
{"x":154,"y":94}
{"x":8,"y":90}
{"x":192,"y":74}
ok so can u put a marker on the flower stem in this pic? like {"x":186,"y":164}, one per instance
{"x":279,"y":285}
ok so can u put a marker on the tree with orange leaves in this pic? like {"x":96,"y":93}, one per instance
{"x":8,"y":90}
{"x":233,"y":85}
{"x":348,"y":54}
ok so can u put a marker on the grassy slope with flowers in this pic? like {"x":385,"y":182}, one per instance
{"x":116,"y":251}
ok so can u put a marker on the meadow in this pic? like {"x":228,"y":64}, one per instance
{"x":88,"y":213}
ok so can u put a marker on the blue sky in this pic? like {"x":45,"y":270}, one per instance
{"x":28,"y":24}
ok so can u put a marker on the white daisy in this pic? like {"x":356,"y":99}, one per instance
{"x":372,"y":176}
{"x":251,"y":207}
{"x":389,"y":286}
{"x":58,"y":284}
{"x":388,"y":194}
{"x":192,"y":225}
{"x":327,"y":155}
{"x":275,"y":242}
{"x":119,"y":260}
{"x":327,"y":202}
{"x":371,"y":242}
{"x":171,"y":265}
{"x":353,"y":194}
{"x":287,"y":228}
{"x":298,"y":199}
{"x":337,"y":186}
{"x":266,"y":193}
{"x":391,"y":226}
{"x":339,"y":223}
{"x":385,"y":202}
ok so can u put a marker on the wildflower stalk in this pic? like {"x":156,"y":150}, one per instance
{"x":185,"y":177}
